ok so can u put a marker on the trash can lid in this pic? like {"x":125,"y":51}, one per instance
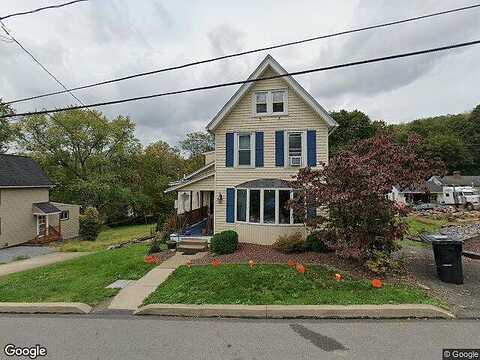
{"x":440,"y":239}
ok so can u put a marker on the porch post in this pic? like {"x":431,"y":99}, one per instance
{"x":59,"y":225}
{"x":46,"y":224}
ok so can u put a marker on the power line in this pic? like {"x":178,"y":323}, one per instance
{"x":209,"y":87}
{"x":248,"y":52}
{"x":40,"y":9}
{"x":39,"y":63}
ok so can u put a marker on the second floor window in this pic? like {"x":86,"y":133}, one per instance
{"x":244,"y":149}
{"x":270,"y":103}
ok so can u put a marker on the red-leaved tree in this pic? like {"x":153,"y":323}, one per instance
{"x":351,"y":195}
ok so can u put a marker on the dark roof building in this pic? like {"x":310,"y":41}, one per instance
{"x":21,"y":171}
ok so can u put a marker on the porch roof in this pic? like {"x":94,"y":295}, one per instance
{"x":45,"y":208}
{"x":189,"y":181}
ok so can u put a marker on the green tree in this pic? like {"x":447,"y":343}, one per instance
{"x":158,"y":165}
{"x":6,"y":129}
{"x":90,"y":158}
{"x":196,"y":143}
{"x":353,"y":126}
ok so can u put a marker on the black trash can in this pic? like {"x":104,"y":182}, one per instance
{"x":448,"y":258}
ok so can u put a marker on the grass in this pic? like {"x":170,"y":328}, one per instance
{"x":108,"y":237}
{"x":417,"y":225}
{"x":78,"y":280}
{"x":277,"y":284}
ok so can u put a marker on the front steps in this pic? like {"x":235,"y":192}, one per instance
{"x":190,"y":246}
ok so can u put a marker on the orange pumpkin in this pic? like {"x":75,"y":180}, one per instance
{"x":338,"y":277}
{"x":149,"y":259}
{"x":300,"y":268}
{"x":216,"y":263}
{"x":291,"y":263}
{"x":251,"y":263}
{"x":377,"y":283}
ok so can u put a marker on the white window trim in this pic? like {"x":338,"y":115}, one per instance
{"x":262,"y":197}
{"x":270,"y":103}
{"x":68,"y":215}
{"x":236,"y":148}
{"x":286,"y":160}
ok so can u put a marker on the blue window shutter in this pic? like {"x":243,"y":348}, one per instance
{"x":311,"y":148}
{"x":279,"y":148}
{"x":230,"y":205}
{"x":229,"y":149}
{"x":259,"y":149}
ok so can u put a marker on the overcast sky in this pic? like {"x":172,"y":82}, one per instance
{"x":102,"y":39}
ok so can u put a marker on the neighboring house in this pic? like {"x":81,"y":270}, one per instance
{"x":264,"y":134}
{"x":434,"y":190}
{"x":26,"y":214}
{"x":429,"y":192}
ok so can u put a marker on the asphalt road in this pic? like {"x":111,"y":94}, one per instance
{"x":128,"y":337}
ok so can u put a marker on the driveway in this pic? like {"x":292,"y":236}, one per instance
{"x":464,"y":299}
{"x":23,"y":252}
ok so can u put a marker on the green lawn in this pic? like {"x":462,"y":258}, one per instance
{"x":417,"y":225}
{"x":79,"y":280}
{"x":276,"y":284}
{"x":108,"y":237}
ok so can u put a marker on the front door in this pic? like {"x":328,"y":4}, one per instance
{"x":41,"y":225}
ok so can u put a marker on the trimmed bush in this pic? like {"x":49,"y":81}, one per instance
{"x":225,"y":242}
{"x":290,"y":243}
{"x":90,"y":224}
{"x":317,"y":241}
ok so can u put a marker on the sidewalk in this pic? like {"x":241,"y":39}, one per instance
{"x":131,"y":297}
{"x":38,"y":261}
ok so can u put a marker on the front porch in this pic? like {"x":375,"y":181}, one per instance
{"x":49,"y":225}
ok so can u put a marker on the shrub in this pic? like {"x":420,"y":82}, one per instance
{"x":380,"y":263}
{"x":90,"y":224}
{"x":225,"y":242}
{"x":290,"y":243}
{"x":155,"y":244}
{"x":318,"y":241}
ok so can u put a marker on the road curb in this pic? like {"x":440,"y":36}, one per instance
{"x":298,"y":311}
{"x":45,"y":308}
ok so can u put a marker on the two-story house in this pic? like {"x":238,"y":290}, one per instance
{"x":26,"y":213}
{"x":263,"y":135}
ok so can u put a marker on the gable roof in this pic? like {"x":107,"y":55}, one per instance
{"x":269,"y":61}
{"x":21,"y":171}
{"x":461,"y":180}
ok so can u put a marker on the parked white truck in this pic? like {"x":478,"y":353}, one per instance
{"x":465,"y":196}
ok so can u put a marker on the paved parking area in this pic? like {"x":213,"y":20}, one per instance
{"x":11,"y":254}
{"x":464,"y":299}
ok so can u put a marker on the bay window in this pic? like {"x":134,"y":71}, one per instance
{"x":269,"y":207}
{"x":241,"y":205}
{"x":265,"y":206}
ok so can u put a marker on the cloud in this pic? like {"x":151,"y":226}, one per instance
{"x":368,"y":80}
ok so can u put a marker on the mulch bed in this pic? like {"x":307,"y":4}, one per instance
{"x":266,"y":254}
{"x":162,"y":256}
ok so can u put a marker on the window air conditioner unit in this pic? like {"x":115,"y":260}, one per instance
{"x":295,"y":160}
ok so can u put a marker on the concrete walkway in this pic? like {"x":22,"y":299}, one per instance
{"x":38,"y":261}
{"x":132,"y":296}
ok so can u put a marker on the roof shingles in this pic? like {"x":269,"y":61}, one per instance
{"x":21,"y":171}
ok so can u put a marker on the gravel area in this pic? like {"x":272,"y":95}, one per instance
{"x":462,"y":232}
{"x":24,"y":252}
{"x":266,"y":254}
{"x":472,"y":246}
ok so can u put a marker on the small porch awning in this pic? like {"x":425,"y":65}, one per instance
{"x":45,"y":208}
{"x":266,"y":184}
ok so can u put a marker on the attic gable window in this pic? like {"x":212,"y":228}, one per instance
{"x":270,"y":103}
